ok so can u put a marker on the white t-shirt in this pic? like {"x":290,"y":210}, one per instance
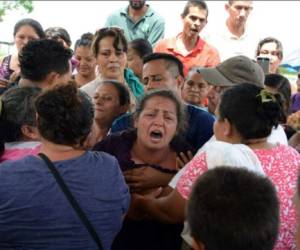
{"x":229,"y":45}
{"x":277,"y":136}
{"x":91,"y":87}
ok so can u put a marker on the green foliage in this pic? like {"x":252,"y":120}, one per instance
{"x":5,"y":6}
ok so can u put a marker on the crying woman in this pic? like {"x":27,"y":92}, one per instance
{"x":148,"y":158}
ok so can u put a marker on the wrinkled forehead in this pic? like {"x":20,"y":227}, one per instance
{"x":160,"y":103}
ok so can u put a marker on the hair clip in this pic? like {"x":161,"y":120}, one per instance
{"x":266,"y":96}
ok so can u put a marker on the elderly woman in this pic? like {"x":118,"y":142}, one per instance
{"x":110,"y":48}
{"x":34,"y":211}
{"x":86,"y":61}
{"x":249,"y":124}
{"x":25,"y":30}
{"x":111,"y":100}
{"x":195,"y":89}
{"x":152,"y":144}
{"x":18,"y":133}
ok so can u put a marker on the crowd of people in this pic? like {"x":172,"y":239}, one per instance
{"x":136,"y":141}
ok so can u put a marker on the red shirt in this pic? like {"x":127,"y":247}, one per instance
{"x":203,"y":55}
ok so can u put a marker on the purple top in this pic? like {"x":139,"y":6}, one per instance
{"x":5,"y":71}
{"x":35,"y":213}
{"x":141,"y":234}
{"x":295,"y":103}
{"x":120,"y":145}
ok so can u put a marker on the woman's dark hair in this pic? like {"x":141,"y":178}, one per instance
{"x":282,"y":85}
{"x":141,"y":46}
{"x":17,"y":109}
{"x":32,"y":23}
{"x":251,"y":109}
{"x":55,"y":33}
{"x":124,"y":96}
{"x":85,"y":40}
{"x":65,"y":114}
{"x":120,"y":42}
{"x":168,"y":94}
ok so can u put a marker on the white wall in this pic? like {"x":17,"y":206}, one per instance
{"x":276,"y":18}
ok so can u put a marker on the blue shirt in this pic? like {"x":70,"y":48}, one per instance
{"x":35,"y":214}
{"x":150,"y":27}
{"x":199,"y":125}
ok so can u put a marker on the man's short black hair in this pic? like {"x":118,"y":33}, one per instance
{"x":141,"y":46}
{"x":172,"y":62}
{"x":200,"y":4}
{"x":41,"y":57}
{"x":234,"y":208}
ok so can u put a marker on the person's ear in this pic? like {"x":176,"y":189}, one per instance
{"x":228,"y":128}
{"x":51,"y":78}
{"x":227,"y":6}
{"x":197,"y":245}
{"x":181,"y":18}
{"x":29,"y":132}
{"x":179,"y":81}
{"x":206,"y":20}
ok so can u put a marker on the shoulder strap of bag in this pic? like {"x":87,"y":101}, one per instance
{"x":72,"y":200}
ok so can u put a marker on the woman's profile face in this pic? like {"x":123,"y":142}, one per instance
{"x":195,"y":89}
{"x":25,"y":34}
{"x":107,"y":104}
{"x":111,"y":62}
{"x":157,"y":123}
{"x":135,"y":62}
{"x":219,"y":127}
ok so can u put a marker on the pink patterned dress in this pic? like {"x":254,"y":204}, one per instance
{"x":281,"y":164}
{"x":18,"y":150}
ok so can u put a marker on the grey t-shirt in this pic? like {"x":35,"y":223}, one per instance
{"x":35,"y":214}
